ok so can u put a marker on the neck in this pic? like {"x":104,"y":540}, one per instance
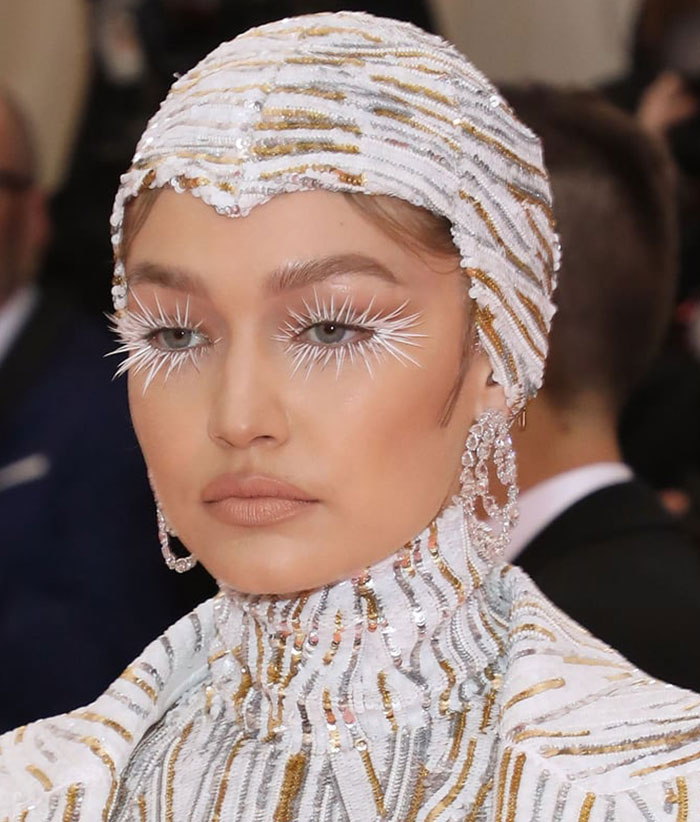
{"x":558,"y":440}
{"x":401,"y":644}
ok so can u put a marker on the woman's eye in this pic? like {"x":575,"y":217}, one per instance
{"x":331,"y":333}
{"x":177,"y":339}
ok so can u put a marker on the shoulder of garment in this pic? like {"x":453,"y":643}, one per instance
{"x":68,"y":766}
{"x":584,"y":735}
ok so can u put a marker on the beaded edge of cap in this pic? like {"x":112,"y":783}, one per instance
{"x":349,"y":102}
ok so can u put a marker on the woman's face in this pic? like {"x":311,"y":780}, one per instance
{"x":296,"y":367}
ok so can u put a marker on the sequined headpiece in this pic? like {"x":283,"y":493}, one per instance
{"x":349,"y":102}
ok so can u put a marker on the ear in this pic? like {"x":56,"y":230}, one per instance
{"x":486,"y":392}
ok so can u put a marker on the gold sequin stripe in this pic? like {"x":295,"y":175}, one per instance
{"x":504,"y":151}
{"x":444,"y":699}
{"x":530,"y":198}
{"x":330,"y":720}
{"x":303,"y":147}
{"x":488,"y":709}
{"x":324,"y":60}
{"x":74,"y":798}
{"x":91,"y":716}
{"x":141,"y":802}
{"x":348,"y":177}
{"x":152,"y":162}
{"x":459,"y":726}
{"x":572,"y":659}
{"x":515,"y":782}
{"x":668,"y":740}
{"x":244,"y":685}
{"x":586,"y":808}
{"x":413,"y":106}
{"x":236,"y":63}
{"x":313,"y":91}
{"x":474,"y":574}
{"x":672,"y":764}
{"x":170,"y":776}
{"x":441,"y":565}
{"x":544,"y":245}
{"x":377,"y":791}
{"x":39,"y":775}
{"x":231,"y":91}
{"x":491,"y":631}
{"x":501,"y":783}
{"x":578,"y":635}
{"x":296,"y":118}
{"x":316,"y":31}
{"x":536,"y":733}
{"x":458,"y":786}
{"x":414,"y":88}
{"x":447,"y":64}
{"x":682,"y":799}
{"x":223,"y":785}
{"x":481,"y":795}
{"x":418,"y":794}
{"x":335,"y":640}
{"x":484,"y":321}
{"x":366,"y":592}
{"x":535,"y":690}
{"x":408,"y":120}
{"x":494,"y":232}
{"x":535,"y":312}
{"x":130,"y":675}
{"x":386,"y":701}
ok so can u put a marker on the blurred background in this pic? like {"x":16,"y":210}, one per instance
{"x":84,"y":76}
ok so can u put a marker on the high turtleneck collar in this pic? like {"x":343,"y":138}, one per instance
{"x":407,"y":642}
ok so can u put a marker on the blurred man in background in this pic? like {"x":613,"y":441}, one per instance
{"x":77,"y":524}
{"x":593,"y":538}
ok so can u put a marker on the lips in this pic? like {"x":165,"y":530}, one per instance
{"x":254,"y":500}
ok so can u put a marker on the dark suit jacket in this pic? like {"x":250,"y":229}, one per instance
{"x":82,"y":585}
{"x":617,"y":563}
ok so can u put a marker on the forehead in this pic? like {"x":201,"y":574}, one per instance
{"x":181,"y":231}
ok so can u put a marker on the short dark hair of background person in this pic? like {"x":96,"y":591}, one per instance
{"x":615,"y":209}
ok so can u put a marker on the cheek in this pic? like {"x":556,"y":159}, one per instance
{"x":386,"y":437}
{"x":168,"y":422}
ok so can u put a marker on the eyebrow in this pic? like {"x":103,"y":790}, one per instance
{"x":168,"y":276}
{"x":291,"y":275}
{"x":309,"y":272}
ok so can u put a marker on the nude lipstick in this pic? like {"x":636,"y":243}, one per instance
{"x":254,"y":500}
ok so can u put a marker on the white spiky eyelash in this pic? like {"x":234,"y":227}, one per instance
{"x":390,"y":334}
{"x":133,"y":329}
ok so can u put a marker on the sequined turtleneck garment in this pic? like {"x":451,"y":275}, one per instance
{"x":432,"y":687}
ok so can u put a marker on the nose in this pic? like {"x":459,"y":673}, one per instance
{"x":247,"y":406}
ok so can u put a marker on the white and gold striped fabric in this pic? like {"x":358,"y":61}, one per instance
{"x":432,"y":688}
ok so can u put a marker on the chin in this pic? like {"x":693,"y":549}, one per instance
{"x":282,"y":569}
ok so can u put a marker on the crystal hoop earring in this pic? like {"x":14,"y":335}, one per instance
{"x":489,"y":443}
{"x":177,"y":564}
